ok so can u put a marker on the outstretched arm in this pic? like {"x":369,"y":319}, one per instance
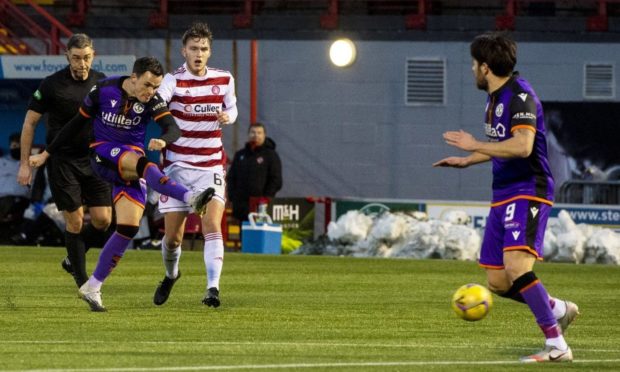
{"x":462,"y":162}
{"x":64,"y":136}
{"x":520,"y":145}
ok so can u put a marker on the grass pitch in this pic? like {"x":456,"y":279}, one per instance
{"x":289,"y":313}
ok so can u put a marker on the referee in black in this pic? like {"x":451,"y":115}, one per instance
{"x":72,"y":180}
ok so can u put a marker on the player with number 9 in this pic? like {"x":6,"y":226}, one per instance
{"x":522,"y":189}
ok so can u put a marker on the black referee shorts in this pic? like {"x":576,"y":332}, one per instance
{"x":74,"y":183}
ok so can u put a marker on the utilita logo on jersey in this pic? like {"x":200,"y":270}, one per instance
{"x":495,"y":133}
{"x":116,"y":120}
{"x":202,"y":109}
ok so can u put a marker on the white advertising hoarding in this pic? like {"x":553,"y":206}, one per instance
{"x":38,"y":67}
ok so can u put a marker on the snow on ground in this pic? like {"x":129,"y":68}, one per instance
{"x":413,"y":235}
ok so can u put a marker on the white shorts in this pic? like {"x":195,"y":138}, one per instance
{"x":195,"y":180}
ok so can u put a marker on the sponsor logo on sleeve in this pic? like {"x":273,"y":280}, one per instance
{"x":524,"y":116}
{"x":159,"y":106}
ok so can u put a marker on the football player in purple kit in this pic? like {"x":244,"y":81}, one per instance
{"x":522,"y":189}
{"x":120,"y":108}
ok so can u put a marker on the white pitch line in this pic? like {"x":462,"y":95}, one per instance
{"x":308,"y":344}
{"x":309,"y":365}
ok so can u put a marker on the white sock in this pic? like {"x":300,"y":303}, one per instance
{"x":559,"y":308}
{"x":558,"y":342}
{"x":171,"y":259}
{"x":214,"y":258}
{"x":94,"y":283}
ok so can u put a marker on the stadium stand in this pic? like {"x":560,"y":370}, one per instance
{"x":444,"y":19}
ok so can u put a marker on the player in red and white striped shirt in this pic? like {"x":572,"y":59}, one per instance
{"x":201,"y":99}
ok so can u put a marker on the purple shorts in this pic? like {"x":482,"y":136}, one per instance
{"x":518,"y":225}
{"x":105,"y":160}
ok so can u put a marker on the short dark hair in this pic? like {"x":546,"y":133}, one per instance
{"x":198,"y":30}
{"x":79,"y":41}
{"x":150,"y":64}
{"x":15,"y":137}
{"x":257,"y":124}
{"x":497,"y":50}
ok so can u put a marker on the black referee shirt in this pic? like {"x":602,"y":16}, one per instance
{"x":60,"y":96}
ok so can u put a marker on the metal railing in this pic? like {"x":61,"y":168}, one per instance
{"x":590,"y":192}
{"x":51,"y":37}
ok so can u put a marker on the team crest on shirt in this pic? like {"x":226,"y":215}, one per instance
{"x":499,"y":110}
{"x":138,"y":108}
{"x":260,"y":160}
{"x":215,"y":89}
{"x":115,"y":151}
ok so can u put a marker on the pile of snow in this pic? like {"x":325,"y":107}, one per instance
{"x":566,"y":241}
{"x":413,"y":235}
{"x":398,"y":235}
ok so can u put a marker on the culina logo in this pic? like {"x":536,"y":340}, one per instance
{"x":110,"y":118}
{"x":203,"y":109}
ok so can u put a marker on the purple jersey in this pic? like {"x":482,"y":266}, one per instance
{"x":118,"y":118}
{"x":511,"y":107}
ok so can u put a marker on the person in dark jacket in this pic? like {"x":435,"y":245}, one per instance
{"x":256,"y":171}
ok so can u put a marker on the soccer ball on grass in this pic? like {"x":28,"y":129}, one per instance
{"x":472,"y":302}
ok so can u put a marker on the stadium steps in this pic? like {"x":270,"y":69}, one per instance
{"x":10,"y":44}
{"x":31,"y":19}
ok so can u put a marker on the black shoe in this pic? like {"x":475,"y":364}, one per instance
{"x":163,"y":290}
{"x":199,"y":201}
{"x":212,"y":298}
{"x":66,"y":265}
